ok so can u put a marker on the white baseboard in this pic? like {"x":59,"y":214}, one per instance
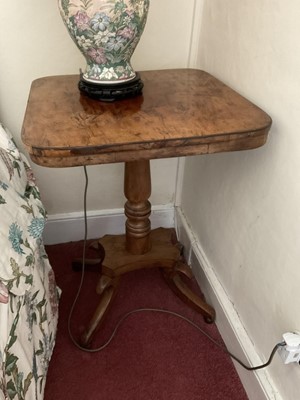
{"x":259,"y":384}
{"x":63,"y":228}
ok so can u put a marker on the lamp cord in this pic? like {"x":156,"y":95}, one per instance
{"x":139,"y":310}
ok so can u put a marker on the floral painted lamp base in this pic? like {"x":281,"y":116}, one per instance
{"x":107,"y":33}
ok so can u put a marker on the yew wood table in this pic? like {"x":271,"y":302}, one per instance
{"x":181,"y":112}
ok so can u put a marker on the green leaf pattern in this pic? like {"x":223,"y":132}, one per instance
{"x":27,"y":337}
{"x":38,"y":309}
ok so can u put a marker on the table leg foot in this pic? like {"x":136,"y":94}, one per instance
{"x":175,"y":282}
{"x":91,"y":264}
{"x":107,"y":289}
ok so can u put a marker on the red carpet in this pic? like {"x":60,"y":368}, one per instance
{"x":152,"y":357}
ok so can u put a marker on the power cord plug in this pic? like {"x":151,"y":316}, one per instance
{"x":290,"y":352}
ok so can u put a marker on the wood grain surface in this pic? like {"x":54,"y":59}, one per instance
{"x":181,"y":112}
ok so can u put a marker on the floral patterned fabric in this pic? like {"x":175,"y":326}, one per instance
{"x":12,"y":167}
{"x":28,"y":293}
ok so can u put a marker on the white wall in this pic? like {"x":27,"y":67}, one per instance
{"x":244,"y":207}
{"x":35,"y":43}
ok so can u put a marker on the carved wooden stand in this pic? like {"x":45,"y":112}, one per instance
{"x":141,"y":248}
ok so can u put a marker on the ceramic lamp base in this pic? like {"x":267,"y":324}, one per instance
{"x":111,"y":92}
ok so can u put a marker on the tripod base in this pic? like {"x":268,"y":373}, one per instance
{"x":165,"y":253}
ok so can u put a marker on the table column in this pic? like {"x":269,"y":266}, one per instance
{"x":137,"y":189}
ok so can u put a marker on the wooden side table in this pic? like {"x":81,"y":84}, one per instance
{"x":181,"y":112}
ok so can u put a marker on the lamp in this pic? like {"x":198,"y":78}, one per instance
{"x":107,"y":33}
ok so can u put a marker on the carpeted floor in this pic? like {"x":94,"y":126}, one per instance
{"x":152,"y":357}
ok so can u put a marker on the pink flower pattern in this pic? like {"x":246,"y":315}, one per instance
{"x":3,"y":293}
{"x":81,"y":20}
{"x":126,"y":33}
{"x":97,"y":55}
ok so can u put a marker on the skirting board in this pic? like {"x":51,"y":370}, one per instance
{"x":63,"y":228}
{"x":259,"y":384}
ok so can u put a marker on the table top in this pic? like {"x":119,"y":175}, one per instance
{"x":181,"y":112}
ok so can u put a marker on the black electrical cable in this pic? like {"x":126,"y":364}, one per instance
{"x":138,"y":310}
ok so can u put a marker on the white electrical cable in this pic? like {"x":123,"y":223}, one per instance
{"x":139,"y":310}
